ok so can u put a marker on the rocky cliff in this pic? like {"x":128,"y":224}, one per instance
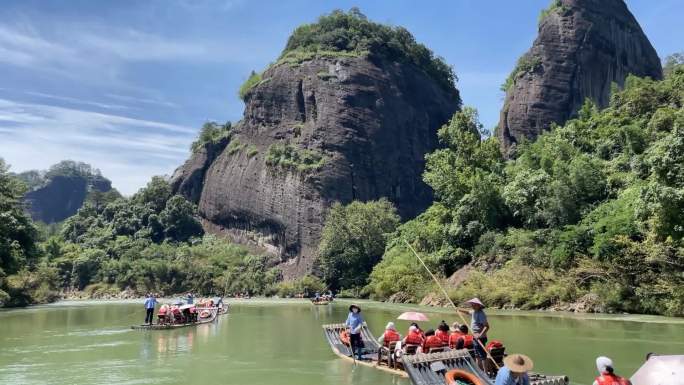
{"x":583,"y":46}
{"x":58,"y":193}
{"x":324,"y":129}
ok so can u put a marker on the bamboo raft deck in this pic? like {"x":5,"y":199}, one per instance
{"x":213,"y":317}
{"x":429,"y":369}
{"x":332,"y":334}
{"x":422,"y":369}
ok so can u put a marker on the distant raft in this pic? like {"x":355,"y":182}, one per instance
{"x":422,"y":369}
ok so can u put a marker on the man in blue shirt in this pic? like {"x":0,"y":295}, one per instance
{"x":150,"y":301}
{"x":190,"y":299}
{"x":354,"y":323}
{"x":514,"y":371}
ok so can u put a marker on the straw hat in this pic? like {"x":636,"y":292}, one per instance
{"x":518,"y":363}
{"x":354,"y":306}
{"x":475,"y":301}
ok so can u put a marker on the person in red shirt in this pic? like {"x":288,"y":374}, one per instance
{"x":431,"y":341}
{"x":390,"y":335}
{"x":413,"y":337}
{"x":443,"y":333}
{"x":608,"y":377}
{"x":460,"y":339}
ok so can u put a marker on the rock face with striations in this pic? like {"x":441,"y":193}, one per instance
{"x":583,"y":47}
{"x":323,"y":130}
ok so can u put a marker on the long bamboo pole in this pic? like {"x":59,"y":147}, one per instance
{"x":446,"y":295}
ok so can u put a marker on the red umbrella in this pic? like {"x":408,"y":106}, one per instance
{"x":413,"y":316}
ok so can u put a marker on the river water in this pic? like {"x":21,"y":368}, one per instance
{"x":281,"y":342}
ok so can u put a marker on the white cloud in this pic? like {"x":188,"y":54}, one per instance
{"x":128,"y":151}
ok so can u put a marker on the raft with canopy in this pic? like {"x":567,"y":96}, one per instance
{"x":422,"y":369}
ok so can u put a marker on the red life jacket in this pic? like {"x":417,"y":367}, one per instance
{"x":344,"y":336}
{"x":391,"y":336}
{"x":444,"y":336}
{"x":414,"y":338}
{"x":453,"y":338}
{"x":432,"y":342}
{"x":467,"y":341}
{"x":611,"y":379}
{"x":494,"y":344}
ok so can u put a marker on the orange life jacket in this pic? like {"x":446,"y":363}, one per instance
{"x":414,"y":338}
{"x":344,"y":336}
{"x":432,"y":342}
{"x":611,"y":379}
{"x":391,"y":336}
{"x":163,"y":309}
{"x":444,"y":336}
{"x":453,"y":338}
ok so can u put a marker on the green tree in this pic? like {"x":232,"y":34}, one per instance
{"x":353,"y":240}
{"x":178,"y":220}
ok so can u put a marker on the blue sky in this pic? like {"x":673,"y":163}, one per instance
{"x":124,"y":85}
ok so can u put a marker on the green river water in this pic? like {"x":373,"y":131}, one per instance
{"x":265,"y":342}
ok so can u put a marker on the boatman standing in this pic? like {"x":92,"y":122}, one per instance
{"x":150,"y":301}
{"x":354,"y":323}
{"x":479,"y":326}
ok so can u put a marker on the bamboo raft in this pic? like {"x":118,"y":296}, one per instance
{"x":429,"y":369}
{"x":321,"y":302}
{"x":422,"y":369}
{"x":214,"y":315}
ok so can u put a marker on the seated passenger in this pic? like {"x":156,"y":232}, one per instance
{"x":161,"y":315}
{"x":431,"y":341}
{"x":414,"y":337}
{"x":390,"y":335}
{"x":344,"y":337}
{"x":461,"y":339}
{"x":443,"y":333}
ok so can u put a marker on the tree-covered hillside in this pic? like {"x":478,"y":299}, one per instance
{"x":589,"y":216}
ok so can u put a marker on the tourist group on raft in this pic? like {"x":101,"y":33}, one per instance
{"x":180,"y":312}
{"x":459,"y":336}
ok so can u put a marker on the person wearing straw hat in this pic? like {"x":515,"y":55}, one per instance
{"x":608,"y":377}
{"x":354,"y":323}
{"x":514,"y":371}
{"x":479,"y":327}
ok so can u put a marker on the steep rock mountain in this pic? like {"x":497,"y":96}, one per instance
{"x":583,"y":46}
{"x":324,"y":130}
{"x":58,"y":193}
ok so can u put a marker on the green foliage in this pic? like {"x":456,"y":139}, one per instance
{"x":353,"y":240}
{"x":352,"y":34}
{"x":252,"y":151}
{"x":556,"y":6}
{"x":671,"y":62}
{"x":211,"y":133}
{"x":525,"y":64}
{"x":289,"y":157}
{"x":253,"y":80}
{"x":17,"y":232}
{"x":235,"y":146}
{"x":590,"y":212}
{"x":307,"y":285}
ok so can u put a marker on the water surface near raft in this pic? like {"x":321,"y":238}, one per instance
{"x":281,"y":342}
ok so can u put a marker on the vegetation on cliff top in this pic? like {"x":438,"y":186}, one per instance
{"x":211,"y":132}
{"x":352,"y":32}
{"x":289,"y":157}
{"x":589,"y":213}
